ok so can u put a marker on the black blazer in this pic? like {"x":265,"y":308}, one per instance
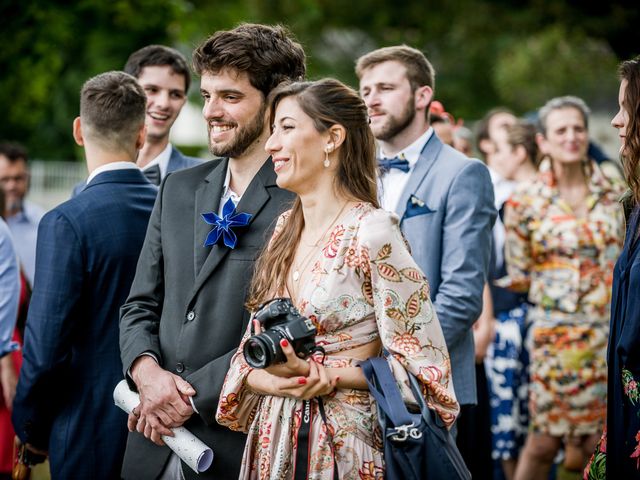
{"x":186,"y":304}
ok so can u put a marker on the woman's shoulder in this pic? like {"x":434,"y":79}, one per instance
{"x":376,"y":225}
{"x":369,"y":216}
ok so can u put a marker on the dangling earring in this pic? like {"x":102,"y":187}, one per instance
{"x":327,"y":162}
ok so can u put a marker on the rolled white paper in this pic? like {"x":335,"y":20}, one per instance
{"x":193,"y":451}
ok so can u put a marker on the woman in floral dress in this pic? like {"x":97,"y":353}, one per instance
{"x":345,"y":265}
{"x":618,"y":453}
{"x":564,"y":232}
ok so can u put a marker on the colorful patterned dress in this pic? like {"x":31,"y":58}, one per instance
{"x":566,"y":264}
{"x":364,"y":286}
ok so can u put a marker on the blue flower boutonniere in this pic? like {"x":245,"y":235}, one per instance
{"x":222,"y":225}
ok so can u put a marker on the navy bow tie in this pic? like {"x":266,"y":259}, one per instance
{"x":399,"y":163}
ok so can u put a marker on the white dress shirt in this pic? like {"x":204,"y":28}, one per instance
{"x":392,"y":183}
{"x":109,"y":167}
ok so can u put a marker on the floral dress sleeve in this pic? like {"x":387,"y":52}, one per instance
{"x":238,"y":403}
{"x":407,"y":322}
{"x":517,"y":246}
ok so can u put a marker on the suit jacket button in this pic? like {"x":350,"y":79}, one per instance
{"x":191,"y":315}
{"x":180,"y":367}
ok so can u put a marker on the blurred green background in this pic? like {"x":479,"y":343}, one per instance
{"x":487,"y":53}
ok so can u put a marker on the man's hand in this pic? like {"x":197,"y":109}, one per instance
{"x":8,"y":380}
{"x":164,"y":400}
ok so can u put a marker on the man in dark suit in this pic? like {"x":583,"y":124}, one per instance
{"x":164,"y":75}
{"x":85,"y":262}
{"x":185,"y":315}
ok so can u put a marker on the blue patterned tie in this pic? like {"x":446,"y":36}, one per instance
{"x":387,"y":164}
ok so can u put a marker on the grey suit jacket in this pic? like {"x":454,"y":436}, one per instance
{"x":186,"y":304}
{"x":446,"y":213}
{"x":178,"y":161}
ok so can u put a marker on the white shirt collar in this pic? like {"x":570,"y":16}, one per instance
{"x":413,"y":151}
{"x":162,"y":160}
{"x":110,"y":167}
{"x":227,"y":193}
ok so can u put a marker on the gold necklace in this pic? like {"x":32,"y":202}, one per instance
{"x":308,"y":257}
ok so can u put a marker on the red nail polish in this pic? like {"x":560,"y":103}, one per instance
{"x":302,"y":381}
{"x":284,"y":343}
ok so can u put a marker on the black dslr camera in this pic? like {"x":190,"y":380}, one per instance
{"x":279,"y":319}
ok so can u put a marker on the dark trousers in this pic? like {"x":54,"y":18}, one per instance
{"x":474,"y":430}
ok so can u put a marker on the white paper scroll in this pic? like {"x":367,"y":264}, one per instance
{"x":185,"y":444}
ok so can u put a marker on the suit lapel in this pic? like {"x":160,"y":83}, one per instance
{"x":175,"y":160}
{"x":427,"y":158}
{"x":252,"y":202}
{"x":207,"y":200}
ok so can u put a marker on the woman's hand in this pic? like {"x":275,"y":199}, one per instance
{"x":320,"y":381}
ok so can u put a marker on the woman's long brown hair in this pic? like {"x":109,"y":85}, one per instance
{"x":327,"y":102}
{"x":630,"y":71}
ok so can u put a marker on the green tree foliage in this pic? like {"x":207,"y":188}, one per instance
{"x":486,"y":52}
{"x":555,"y":62}
{"x":49,"y":48}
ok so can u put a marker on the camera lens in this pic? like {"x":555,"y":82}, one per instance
{"x":257,"y":352}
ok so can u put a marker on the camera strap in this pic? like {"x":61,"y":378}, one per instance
{"x":303,"y":452}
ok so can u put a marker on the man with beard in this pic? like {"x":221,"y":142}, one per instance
{"x":444,"y":199}
{"x":185,"y":315}
{"x":21,"y":215}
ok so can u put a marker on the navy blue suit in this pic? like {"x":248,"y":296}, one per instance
{"x":177,"y":161}
{"x":86,"y":259}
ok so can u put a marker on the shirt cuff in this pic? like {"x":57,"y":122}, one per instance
{"x":11,"y":347}
{"x":193,"y":405}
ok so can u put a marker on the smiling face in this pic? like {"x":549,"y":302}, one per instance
{"x":621,"y":120}
{"x":165,"y":91}
{"x":390,"y":100}
{"x":297,"y":148}
{"x":566,"y":139}
{"x":235,"y":113}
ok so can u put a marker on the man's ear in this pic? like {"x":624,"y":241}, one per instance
{"x":77,"y":131}
{"x":142,"y":136}
{"x":423,"y":96}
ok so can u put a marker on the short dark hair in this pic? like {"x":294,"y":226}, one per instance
{"x":112,"y":109}
{"x":157,"y":56}
{"x":14,"y":152}
{"x":268,"y":54}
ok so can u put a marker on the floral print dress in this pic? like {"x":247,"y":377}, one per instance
{"x":566,"y":265}
{"x":364,"y":286}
